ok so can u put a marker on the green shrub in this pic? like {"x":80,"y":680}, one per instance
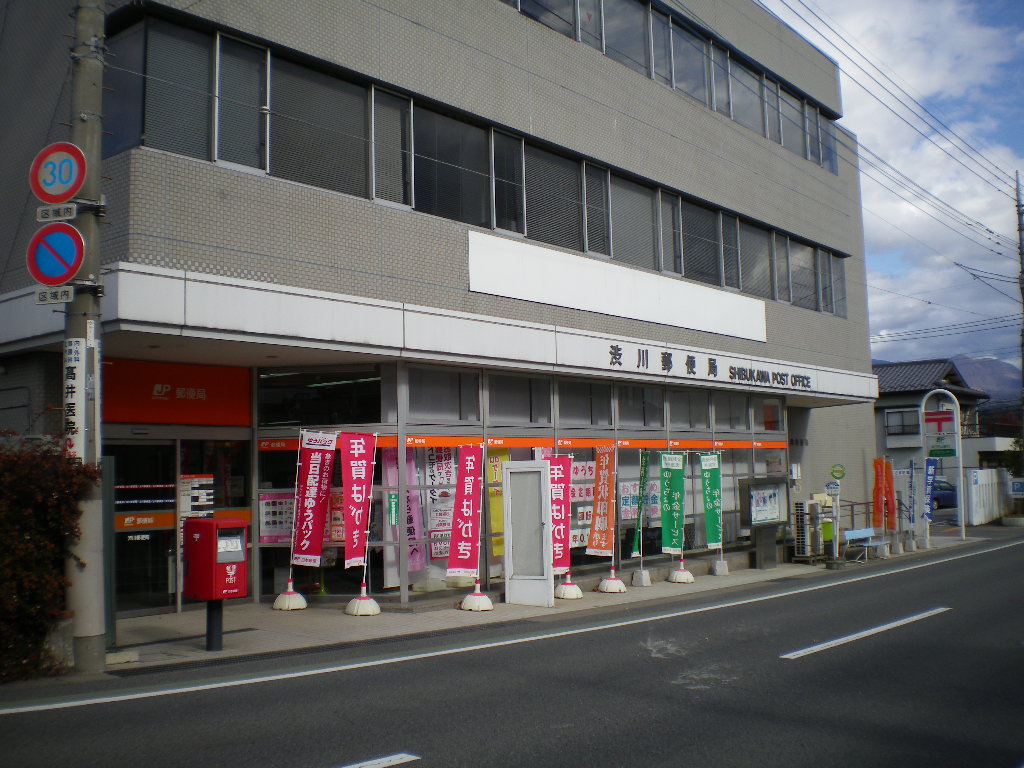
{"x":39,"y":493}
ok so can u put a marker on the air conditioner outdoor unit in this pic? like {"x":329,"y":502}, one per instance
{"x":807,"y":529}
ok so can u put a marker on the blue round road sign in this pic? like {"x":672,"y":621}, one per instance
{"x":55,"y":253}
{"x":58,"y":172}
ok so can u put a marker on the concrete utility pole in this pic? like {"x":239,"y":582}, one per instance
{"x":1020,"y":282}
{"x":82,"y":322}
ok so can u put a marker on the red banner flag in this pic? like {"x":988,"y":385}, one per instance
{"x":602,"y":526}
{"x":878,"y":495}
{"x":312,"y":493}
{"x":561,"y":472}
{"x":357,"y":458}
{"x":463,"y":557}
{"x":890,"y":497}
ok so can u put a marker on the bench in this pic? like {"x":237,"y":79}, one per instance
{"x":865,"y":539}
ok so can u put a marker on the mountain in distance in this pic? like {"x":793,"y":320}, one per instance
{"x":999,"y":379}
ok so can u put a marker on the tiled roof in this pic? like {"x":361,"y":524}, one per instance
{"x":921,"y":376}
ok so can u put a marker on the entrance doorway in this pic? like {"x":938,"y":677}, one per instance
{"x":529,"y":577}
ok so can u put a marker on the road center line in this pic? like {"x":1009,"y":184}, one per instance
{"x":384,"y":762}
{"x":861,"y":635}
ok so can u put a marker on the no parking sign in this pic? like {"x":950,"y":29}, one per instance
{"x":55,"y":253}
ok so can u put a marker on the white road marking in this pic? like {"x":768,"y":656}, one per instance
{"x":861,"y":635}
{"x":16,"y":710}
{"x":383,"y":762}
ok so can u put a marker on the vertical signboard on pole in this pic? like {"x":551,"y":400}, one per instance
{"x":463,"y":556}
{"x":74,"y":397}
{"x":312,"y":492}
{"x":601,"y":541}
{"x":673,"y":501}
{"x":711,"y":490}
{"x":357,"y":451}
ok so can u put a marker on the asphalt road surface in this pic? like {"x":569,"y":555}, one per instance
{"x":908,"y":663}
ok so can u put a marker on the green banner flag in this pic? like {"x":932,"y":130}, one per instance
{"x":673,"y":502}
{"x":711,"y":490}
{"x":640,"y":505}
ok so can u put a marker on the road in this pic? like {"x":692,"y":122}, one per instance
{"x":924,"y":666}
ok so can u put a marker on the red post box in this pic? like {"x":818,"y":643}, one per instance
{"x":215,"y":561}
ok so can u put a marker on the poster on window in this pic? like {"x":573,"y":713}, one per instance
{"x":602,"y":528}
{"x":440,"y":469}
{"x":495,"y":503}
{"x":312,"y":493}
{"x":766,"y":504}
{"x":357,"y":451}
{"x":711,"y":492}
{"x":673,"y":502}
{"x":561,"y":469}
{"x":413,"y":520}
{"x":464,"y":556}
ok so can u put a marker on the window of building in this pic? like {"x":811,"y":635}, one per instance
{"x":827,"y":300}
{"x":690,"y":63}
{"x":803,"y":276}
{"x":634,"y":223}
{"x":392,"y":160}
{"x":508,"y":182}
{"x":300,"y":398}
{"x":598,"y":240}
{"x":829,"y":150}
{"x":701,"y":257}
{"x":720,"y":80}
{"x":768,"y":414}
{"x":781,"y":267}
{"x":179,"y":81}
{"x":661,"y":41}
{"x":771,"y":98}
{"x":747,"y":109}
{"x":625,"y":31}
{"x":813,"y":136}
{"x":554,"y":210}
{"x":688,"y":409}
{"x":559,"y":15}
{"x":242,"y":103}
{"x":903,"y":422}
{"x":584,"y":403}
{"x":641,"y":406}
{"x":438,"y":395}
{"x":755,"y":260}
{"x":518,"y":400}
{"x":123,"y":89}
{"x":590,"y":23}
{"x":452,"y":175}
{"x":731,"y":250}
{"x":318,"y":129}
{"x":671,"y":233}
{"x":792,"y":115}
{"x":730,"y":411}
{"x":839,"y":284}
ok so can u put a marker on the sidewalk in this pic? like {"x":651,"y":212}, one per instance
{"x":150,"y":642}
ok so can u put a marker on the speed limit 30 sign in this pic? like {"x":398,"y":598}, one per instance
{"x":57,"y":173}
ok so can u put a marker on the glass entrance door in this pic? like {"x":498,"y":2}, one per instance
{"x":144,"y":522}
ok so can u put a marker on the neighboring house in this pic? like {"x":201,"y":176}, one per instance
{"x":534,"y":226}
{"x":901,"y":434}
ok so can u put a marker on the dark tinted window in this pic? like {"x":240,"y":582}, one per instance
{"x":508,"y":182}
{"x":123,"y":86}
{"x":179,"y":77}
{"x":634,"y":223}
{"x":297,"y":398}
{"x":700,"y":245}
{"x":242,"y":96}
{"x":554,"y":208}
{"x":452,"y":173}
{"x":625,"y":30}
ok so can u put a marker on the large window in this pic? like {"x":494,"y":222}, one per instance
{"x":559,"y":15}
{"x":641,"y":406}
{"x":123,"y":89}
{"x":755,"y":260}
{"x":452,"y":177}
{"x":392,"y":159}
{"x":792,"y":114}
{"x":584,"y":403}
{"x":690,"y":59}
{"x":554,"y":210}
{"x":634,"y":223}
{"x":746,"y":97}
{"x":720,"y":78}
{"x":299,"y":398}
{"x":179,"y":83}
{"x":782,"y":292}
{"x":802,"y":275}
{"x":701,"y":257}
{"x":242,"y":103}
{"x":661,"y":44}
{"x":731,"y":250}
{"x":671,"y":233}
{"x":518,"y":400}
{"x":625,"y":29}
{"x":508,"y":182}
{"x":438,"y":395}
{"x":598,"y":238}
{"x":827,"y":300}
{"x":688,"y":409}
{"x":318,"y":129}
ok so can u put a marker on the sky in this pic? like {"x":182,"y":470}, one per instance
{"x":963,"y":62}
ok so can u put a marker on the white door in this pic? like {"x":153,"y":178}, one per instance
{"x":526,"y":494}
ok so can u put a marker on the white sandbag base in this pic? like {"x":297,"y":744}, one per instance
{"x":289,"y":600}
{"x":611,"y":584}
